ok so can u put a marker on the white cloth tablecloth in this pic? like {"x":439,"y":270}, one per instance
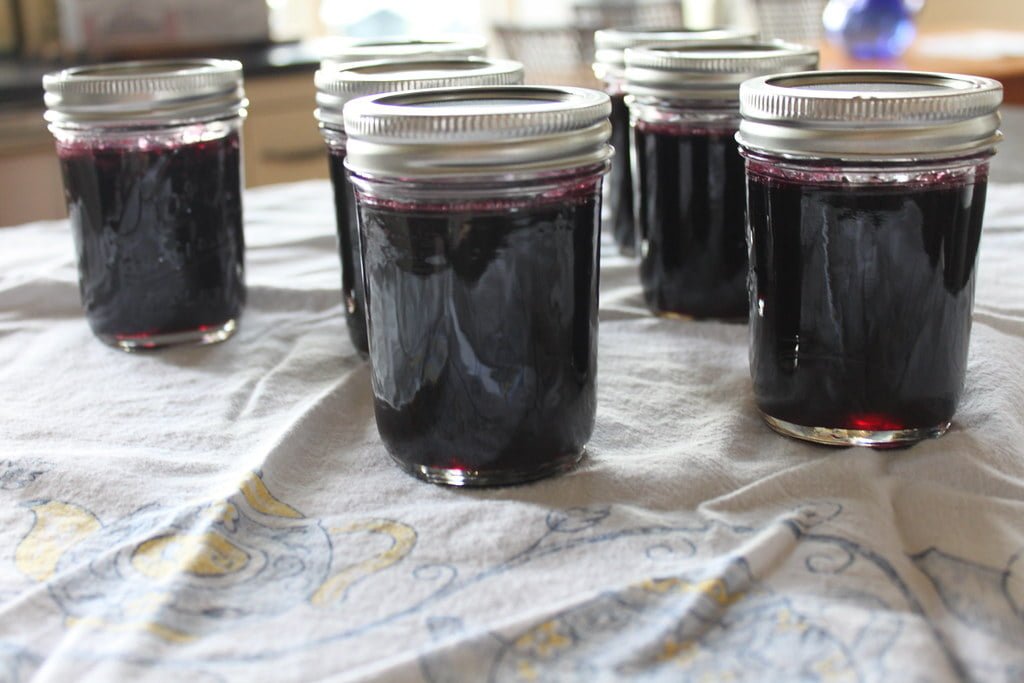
{"x":229,"y":513}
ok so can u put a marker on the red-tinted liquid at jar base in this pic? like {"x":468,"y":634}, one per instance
{"x":348,"y":250}
{"x":690,"y":192}
{"x":861,"y":300}
{"x":483,"y":328}
{"x":619,"y":183}
{"x":159,"y":237}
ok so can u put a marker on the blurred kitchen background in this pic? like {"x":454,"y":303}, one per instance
{"x":280,"y":42}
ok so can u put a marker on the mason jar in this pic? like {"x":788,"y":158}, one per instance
{"x":336,"y":86}
{"x":150,"y":157}
{"x":688,"y":178}
{"x":479,"y":221}
{"x":610,"y":67}
{"x":866,"y":192}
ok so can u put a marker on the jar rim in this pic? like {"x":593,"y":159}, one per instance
{"x":610,"y":44}
{"x":869,"y":113}
{"x":468,"y":192}
{"x":337,"y":86}
{"x":477,"y":129}
{"x":710,"y":70}
{"x":461,"y":114}
{"x":404,"y":47}
{"x":162,"y":91}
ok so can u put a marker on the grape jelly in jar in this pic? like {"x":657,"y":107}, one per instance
{"x":866,"y":192}
{"x":479,"y":218}
{"x":688,"y":180}
{"x":337,"y":84}
{"x":150,"y":157}
{"x":610,"y":66}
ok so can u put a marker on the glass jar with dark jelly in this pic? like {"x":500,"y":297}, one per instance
{"x":479,"y":216}
{"x":610,"y":67}
{"x":150,"y":156}
{"x":340,"y":83}
{"x":866,"y":191}
{"x":687,"y":172}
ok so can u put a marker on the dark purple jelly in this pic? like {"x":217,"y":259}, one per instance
{"x":158,"y":233}
{"x":619,"y":183}
{"x":483,"y":325}
{"x":690,"y":189}
{"x":348,"y":249}
{"x":861,"y":299}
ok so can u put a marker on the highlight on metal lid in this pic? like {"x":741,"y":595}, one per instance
{"x":157,"y":91}
{"x":405,"y":47}
{"x":712,"y":69}
{"x":453,"y":131}
{"x":870,"y":113}
{"x":610,"y":44}
{"x":336,"y":86}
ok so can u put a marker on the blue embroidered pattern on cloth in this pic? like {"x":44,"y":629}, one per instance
{"x":228,"y":513}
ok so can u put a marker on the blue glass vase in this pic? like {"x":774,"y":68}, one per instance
{"x":871,"y":29}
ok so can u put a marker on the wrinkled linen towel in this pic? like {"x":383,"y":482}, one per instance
{"x":229,"y":513}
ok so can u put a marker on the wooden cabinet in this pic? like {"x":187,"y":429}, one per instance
{"x":281,"y":140}
{"x":30,"y":183}
{"x":281,"y":143}
{"x":1008,"y":70}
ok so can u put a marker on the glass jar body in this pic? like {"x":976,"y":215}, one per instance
{"x":688,"y":192}
{"x":861,"y":289}
{"x":481,"y":300}
{"x":347,"y":224}
{"x":156,"y":215}
{"x":618,"y":186}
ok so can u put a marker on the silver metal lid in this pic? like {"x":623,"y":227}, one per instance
{"x":477,"y":130}
{"x":710,"y":70}
{"x":611,"y":44}
{"x":161,"y":92}
{"x":337,"y":86}
{"x":361,"y":50}
{"x":870,"y":114}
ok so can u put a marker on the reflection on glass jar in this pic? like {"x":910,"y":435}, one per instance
{"x":479,"y":229}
